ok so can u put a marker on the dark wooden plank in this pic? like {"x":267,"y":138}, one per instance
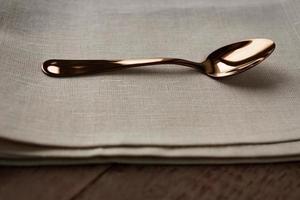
{"x":53,"y":183}
{"x":268,"y":181}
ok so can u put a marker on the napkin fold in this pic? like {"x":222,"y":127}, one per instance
{"x":13,"y":153}
{"x":154,"y":114}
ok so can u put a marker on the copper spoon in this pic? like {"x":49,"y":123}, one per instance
{"x":226,"y":61}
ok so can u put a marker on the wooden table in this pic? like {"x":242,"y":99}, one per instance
{"x":263,"y":181}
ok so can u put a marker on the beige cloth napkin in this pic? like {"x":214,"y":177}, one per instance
{"x":159,"y":114}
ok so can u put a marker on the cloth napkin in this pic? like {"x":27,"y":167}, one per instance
{"x":153,"y":114}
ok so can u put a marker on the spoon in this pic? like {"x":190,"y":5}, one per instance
{"x":226,"y":61}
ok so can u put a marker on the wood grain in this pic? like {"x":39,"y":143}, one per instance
{"x":264,"y":181}
{"x":53,"y":183}
{"x":271,"y":181}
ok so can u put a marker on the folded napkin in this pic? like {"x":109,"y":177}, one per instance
{"x":154,"y":114}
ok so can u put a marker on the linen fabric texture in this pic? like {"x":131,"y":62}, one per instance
{"x":153,"y":114}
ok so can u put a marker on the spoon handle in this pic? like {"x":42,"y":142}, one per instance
{"x":67,"y":68}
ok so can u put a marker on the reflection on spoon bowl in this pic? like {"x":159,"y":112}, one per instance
{"x":238,"y":57}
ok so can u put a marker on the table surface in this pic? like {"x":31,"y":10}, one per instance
{"x":115,"y":181}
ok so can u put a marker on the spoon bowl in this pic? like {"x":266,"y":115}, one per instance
{"x":225,"y":61}
{"x":238,"y":57}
